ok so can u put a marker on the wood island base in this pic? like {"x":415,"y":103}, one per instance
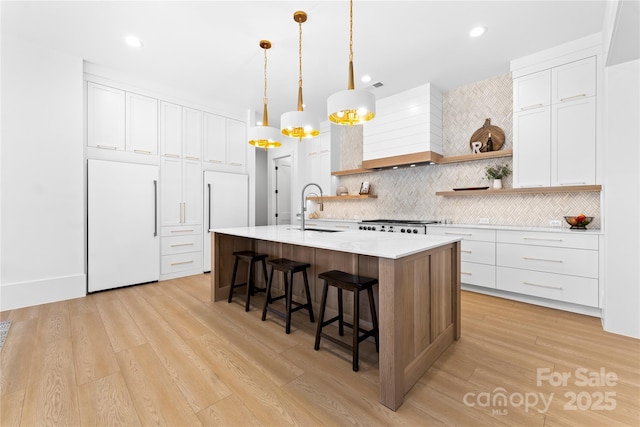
{"x":418,"y":300}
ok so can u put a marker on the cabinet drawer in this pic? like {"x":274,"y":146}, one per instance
{"x":576,"y":262}
{"x":479,"y":252}
{"x":576,"y":290}
{"x":181,"y":262}
{"x":180,"y":244}
{"x":478,"y":274}
{"x":180,"y":230}
{"x":465,"y":233}
{"x":539,"y":238}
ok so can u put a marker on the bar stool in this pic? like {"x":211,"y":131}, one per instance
{"x":288,"y":267}
{"x":251,"y":258}
{"x":355,"y":284}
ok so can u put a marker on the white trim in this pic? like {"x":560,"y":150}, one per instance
{"x":25,"y":294}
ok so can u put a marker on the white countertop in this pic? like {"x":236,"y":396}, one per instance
{"x":383,"y":245}
{"x":520,"y":228}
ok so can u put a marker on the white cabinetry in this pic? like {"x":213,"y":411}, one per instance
{"x":477,"y":253}
{"x":406,"y":123}
{"x":181,"y":195}
{"x":192,"y":133}
{"x":224,"y":141}
{"x":105,"y":117}
{"x":562,"y":267}
{"x":170,"y":129}
{"x":141,"y":124}
{"x":318,"y":159}
{"x":555,"y":125}
{"x":181,"y":249}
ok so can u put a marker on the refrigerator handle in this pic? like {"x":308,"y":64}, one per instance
{"x":155,"y":208}
{"x":209,"y":201}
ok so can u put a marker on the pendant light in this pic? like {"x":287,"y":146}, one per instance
{"x":351,"y":107}
{"x":299,"y":124}
{"x":264,"y":136}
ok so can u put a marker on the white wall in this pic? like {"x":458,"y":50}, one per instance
{"x":42,"y":235}
{"x":621,"y":309}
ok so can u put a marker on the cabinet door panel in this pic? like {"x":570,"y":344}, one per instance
{"x":532,"y":91}
{"x":170,"y":129}
{"x":573,"y":143}
{"x":142,"y":124}
{"x":215,"y":136}
{"x":105,"y":117}
{"x":532,"y":148}
{"x":171,"y":191}
{"x":192,"y":133}
{"x":192,"y":192}
{"x":574,"y":81}
{"x":236,"y":143}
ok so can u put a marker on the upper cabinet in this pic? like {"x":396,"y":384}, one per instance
{"x":555,"y":125}
{"x":407,"y":125}
{"x":105,"y":117}
{"x":224,"y":140}
{"x":142,"y":124}
{"x":192,"y":133}
{"x":170,"y":129}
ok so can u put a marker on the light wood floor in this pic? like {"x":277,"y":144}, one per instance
{"x":163,"y":354}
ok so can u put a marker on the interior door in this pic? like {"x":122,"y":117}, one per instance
{"x":226,"y":204}
{"x":282,"y":192}
{"x":123,"y":238}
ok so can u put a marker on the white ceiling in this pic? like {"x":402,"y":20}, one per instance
{"x":210,"y":48}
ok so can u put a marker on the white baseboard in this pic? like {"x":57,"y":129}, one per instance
{"x":26,"y":294}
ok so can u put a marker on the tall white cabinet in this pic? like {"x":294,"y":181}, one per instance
{"x":555,"y":121}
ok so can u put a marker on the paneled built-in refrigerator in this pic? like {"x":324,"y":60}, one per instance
{"x":122,"y":224}
{"x":226,"y":204}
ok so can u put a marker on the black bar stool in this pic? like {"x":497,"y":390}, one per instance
{"x":288,"y":267}
{"x":355,"y":284}
{"x":251,"y":258}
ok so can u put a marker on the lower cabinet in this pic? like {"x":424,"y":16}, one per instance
{"x":180,"y":251}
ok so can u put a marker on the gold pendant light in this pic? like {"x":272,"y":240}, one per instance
{"x":299,"y":124}
{"x":351,"y":107}
{"x":264,"y":136}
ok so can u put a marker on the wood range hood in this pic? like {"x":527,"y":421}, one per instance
{"x":421,"y":158}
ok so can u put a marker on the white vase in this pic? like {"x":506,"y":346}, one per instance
{"x":497,"y":184}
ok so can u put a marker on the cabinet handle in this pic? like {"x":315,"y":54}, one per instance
{"x":182,"y":262}
{"x":573,"y":183}
{"x":573,"y":97}
{"x":181,"y":244}
{"x":175,"y":156}
{"x":341,"y":226}
{"x":107,"y":147}
{"x":542,"y":259}
{"x":313,"y":153}
{"x":235,"y":164}
{"x":142,"y":151}
{"x":458,"y":234}
{"x":529,"y":107}
{"x":155,"y":207}
{"x":466,"y":252}
{"x":466,"y":274}
{"x":542,"y":286}
{"x":215,"y":161}
{"x":542,"y":239}
{"x":324,"y":151}
{"x":192,"y":158}
{"x":182,"y":231}
{"x":209,"y":201}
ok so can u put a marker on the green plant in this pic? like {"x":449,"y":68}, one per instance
{"x":498,"y":171}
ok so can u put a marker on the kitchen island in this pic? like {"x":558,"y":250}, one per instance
{"x":418,"y":292}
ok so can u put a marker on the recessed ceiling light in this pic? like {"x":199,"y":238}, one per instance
{"x":133,"y":41}
{"x":477,"y":31}
{"x":366,"y":78}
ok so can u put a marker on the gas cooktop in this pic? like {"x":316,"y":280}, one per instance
{"x":407,"y":226}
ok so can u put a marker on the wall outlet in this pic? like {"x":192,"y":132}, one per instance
{"x":483,"y":221}
{"x":555,"y":223}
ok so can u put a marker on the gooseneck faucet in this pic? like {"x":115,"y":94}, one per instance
{"x":303,"y":205}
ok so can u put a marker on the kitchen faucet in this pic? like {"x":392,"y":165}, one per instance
{"x":303,"y":205}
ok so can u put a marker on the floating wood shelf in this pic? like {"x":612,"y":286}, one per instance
{"x":472,"y":157}
{"x":351,"y":172}
{"x":350,"y":197}
{"x":536,"y":190}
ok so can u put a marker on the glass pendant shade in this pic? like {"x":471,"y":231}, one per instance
{"x":299,"y":124}
{"x":351,"y":107}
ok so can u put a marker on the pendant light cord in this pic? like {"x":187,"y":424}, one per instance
{"x":351,"y":31}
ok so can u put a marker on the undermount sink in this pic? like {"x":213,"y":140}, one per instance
{"x":321,"y":230}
